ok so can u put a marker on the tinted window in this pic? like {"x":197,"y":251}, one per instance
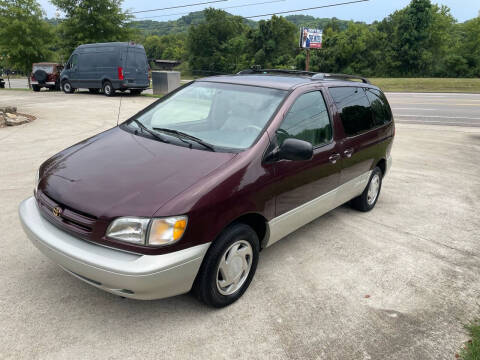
{"x":381,"y":110}
{"x":74,"y":61}
{"x":307,"y":120}
{"x":354,"y":108}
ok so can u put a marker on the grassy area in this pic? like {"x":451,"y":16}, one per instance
{"x":153,"y":96}
{"x":15,"y":89}
{"x":428,"y":85}
{"x":472,"y":348}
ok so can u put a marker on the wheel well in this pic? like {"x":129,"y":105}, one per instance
{"x":382,"y":164}
{"x":257,"y":222}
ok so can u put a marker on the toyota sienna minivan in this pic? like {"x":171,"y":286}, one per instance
{"x":186,"y":193}
{"x":108,"y":67}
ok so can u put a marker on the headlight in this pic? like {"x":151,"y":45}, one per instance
{"x":128,"y":229}
{"x":151,"y":232}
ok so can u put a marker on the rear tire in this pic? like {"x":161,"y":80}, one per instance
{"x":108,"y":89}
{"x":67,"y":87}
{"x":136,"y":91}
{"x":369,"y":197}
{"x":36,"y":88}
{"x":228,"y":267}
{"x":93,"y":91}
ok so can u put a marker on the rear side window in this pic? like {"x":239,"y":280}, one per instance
{"x":307,"y":120}
{"x":354,"y":108}
{"x":382,"y":113}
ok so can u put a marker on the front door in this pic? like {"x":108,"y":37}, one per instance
{"x":306,"y":189}
{"x":74,"y":71}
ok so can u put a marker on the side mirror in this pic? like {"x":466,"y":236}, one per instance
{"x":295,"y":150}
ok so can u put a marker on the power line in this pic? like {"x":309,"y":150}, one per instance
{"x":312,"y":8}
{"x":166,"y":26}
{"x":223,"y":8}
{"x":176,"y":7}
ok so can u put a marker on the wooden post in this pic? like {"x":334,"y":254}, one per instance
{"x":307,"y":60}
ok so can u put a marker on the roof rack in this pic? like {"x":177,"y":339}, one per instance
{"x":323,"y":76}
{"x":313,"y":75}
{"x":255,"y":70}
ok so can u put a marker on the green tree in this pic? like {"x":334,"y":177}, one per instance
{"x":92,"y":21}
{"x":167,"y":47}
{"x":351,"y":51}
{"x":24,"y":37}
{"x":274,"y":43}
{"x":411,"y":37}
{"x":469,"y":46}
{"x":216,"y":46}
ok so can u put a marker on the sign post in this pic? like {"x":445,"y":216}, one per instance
{"x":310,"y":39}
{"x":307,"y":60}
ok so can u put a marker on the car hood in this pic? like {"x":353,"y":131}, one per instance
{"x":117,"y":173}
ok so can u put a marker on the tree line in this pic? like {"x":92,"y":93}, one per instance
{"x":421,"y":40}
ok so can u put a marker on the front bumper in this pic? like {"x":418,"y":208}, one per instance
{"x":130,"y":275}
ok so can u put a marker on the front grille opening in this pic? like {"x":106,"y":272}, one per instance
{"x":75,"y":220}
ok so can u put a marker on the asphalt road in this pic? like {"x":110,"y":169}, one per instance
{"x":399,"y":282}
{"x":439,"y":109}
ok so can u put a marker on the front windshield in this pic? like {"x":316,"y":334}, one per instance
{"x":223,"y":115}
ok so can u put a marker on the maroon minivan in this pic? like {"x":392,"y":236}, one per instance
{"x":185,"y":194}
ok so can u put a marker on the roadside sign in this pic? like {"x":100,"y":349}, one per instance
{"x":311,"y":38}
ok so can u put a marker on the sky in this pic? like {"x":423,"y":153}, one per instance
{"x":368,"y":12}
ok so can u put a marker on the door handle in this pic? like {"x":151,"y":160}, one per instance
{"x":334,"y":158}
{"x":348,"y":153}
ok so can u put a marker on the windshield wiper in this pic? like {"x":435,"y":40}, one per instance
{"x":153,"y":133}
{"x":188,"y":136}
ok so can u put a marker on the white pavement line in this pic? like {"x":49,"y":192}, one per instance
{"x":439,"y":116}
{"x":414,"y":109}
{"x":437,"y":122}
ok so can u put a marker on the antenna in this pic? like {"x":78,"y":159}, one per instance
{"x":119,"y":107}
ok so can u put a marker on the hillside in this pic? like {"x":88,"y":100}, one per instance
{"x":153,"y":27}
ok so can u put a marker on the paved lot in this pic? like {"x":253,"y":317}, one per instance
{"x":416,"y":256}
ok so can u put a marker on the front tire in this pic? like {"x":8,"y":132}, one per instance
{"x":108,"y":89}
{"x":367,"y":200}
{"x":228,"y":267}
{"x":67,"y":87}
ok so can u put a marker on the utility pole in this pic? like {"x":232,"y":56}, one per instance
{"x":307,"y":60}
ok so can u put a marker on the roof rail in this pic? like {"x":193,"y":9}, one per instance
{"x":323,"y":76}
{"x":256,"y":69}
